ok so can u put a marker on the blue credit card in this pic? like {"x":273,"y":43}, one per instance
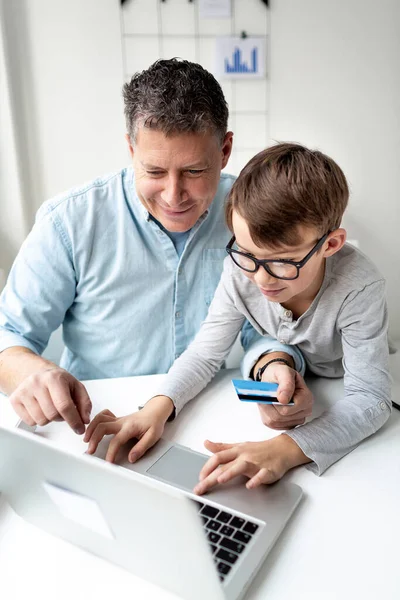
{"x":261,"y":392}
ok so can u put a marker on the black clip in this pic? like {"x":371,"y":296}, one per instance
{"x":243,"y":35}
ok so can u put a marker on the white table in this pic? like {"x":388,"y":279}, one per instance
{"x":342,"y":543}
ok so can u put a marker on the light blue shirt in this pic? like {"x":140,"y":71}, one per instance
{"x":96,"y":262}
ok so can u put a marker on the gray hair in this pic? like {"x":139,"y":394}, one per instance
{"x":175,"y":96}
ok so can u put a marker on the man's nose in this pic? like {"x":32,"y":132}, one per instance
{"x":173,"y":193}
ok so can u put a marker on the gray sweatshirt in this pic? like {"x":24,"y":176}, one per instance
{"x":343,"y":333}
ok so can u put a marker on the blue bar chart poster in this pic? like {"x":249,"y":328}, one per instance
{"x":240,"y":58}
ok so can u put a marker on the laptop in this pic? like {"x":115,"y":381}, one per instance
{"x":145,"y":517}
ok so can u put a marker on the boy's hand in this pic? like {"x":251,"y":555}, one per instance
{"x":262,"y":462}
{"x":146,"y":425}
{"x":291,"y":386}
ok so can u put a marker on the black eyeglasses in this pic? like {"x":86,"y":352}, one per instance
{"x":280,"y":269}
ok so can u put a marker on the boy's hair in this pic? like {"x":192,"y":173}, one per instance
{"x":285,"y":186}
{"x":175,"y":96}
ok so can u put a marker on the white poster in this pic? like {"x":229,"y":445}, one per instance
{"x":214,"y":9}
{"x":240,"y":58}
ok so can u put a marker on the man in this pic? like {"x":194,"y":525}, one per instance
{"x":129,"y":262}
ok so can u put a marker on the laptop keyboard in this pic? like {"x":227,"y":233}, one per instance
{"x":227,"y":535}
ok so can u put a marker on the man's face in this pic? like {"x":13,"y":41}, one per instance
{"x":307,"y":285}
{"x":177,"y":177}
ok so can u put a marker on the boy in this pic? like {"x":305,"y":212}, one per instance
{"x":292,"y":276}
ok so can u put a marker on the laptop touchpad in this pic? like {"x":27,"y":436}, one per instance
{"x":179,"y":467}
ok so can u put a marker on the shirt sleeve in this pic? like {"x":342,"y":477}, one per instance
{"x":191,"y":372}
{"x":366,"y":405}
{"x":255,"y":344}
{"x":40,"y":288}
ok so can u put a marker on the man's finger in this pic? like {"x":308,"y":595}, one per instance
{"x":213,"y":463}
{"x":60,"y":394}
{"x":82,"y":401}
{"x":33,"y":408}
{"x":44,"y":399}
{"x":23,"y":414}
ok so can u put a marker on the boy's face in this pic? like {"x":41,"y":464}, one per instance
{"x":309,"y":281}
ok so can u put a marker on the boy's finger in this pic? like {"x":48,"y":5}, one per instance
{"x":101,"y":430}
{"x":265,"y":476}
{"x":216,"y":446}
{"x":239,"y":467}
{"x":146,"y":441}
{"x":286,"y":384}
{"x":104,"y":415}
{"x":215,"y":461}
{"x":209,"y":482}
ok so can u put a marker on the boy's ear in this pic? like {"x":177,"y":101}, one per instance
{"x":335,"y":241}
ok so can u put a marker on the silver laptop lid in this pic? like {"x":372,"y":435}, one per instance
{"x":125,"y":517}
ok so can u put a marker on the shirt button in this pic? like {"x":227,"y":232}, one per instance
{"x":178,"y":314}
{"x":282,"y":341}
{"x":382,"y":405}
{"x":288,"y":314}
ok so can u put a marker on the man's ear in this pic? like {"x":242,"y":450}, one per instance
{"x":226,"y":148}
{"x":335,"y":241}
{"x":130,"y":147}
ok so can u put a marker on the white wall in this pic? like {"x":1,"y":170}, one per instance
{"x":67,"y":75}
{"x":335,"y":84}
{"x":13,"y":218}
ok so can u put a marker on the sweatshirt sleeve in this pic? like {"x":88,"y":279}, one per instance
{"x":366,"y":403}
{"x":191,"y":372}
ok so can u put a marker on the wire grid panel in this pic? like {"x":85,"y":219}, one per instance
{"x":152,"y":29}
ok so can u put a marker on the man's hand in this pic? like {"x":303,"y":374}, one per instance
{"x":146,"y":425}
{"x":291,"y":386}
{"x":52,"y":394}
{"x":263,"y":462}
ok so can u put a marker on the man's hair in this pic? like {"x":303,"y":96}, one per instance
{"x":285,"y":186}
{"x":175,"y":96}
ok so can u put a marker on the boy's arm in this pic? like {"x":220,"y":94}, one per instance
{"x":261,"y":350}
{"x":258,"y":349}
{"x":366,"y":404}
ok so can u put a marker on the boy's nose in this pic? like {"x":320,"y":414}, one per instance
{"x":263,"y":278}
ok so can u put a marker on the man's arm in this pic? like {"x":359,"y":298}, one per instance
{"x":17,"y":363}
{"x":40,"y":289}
